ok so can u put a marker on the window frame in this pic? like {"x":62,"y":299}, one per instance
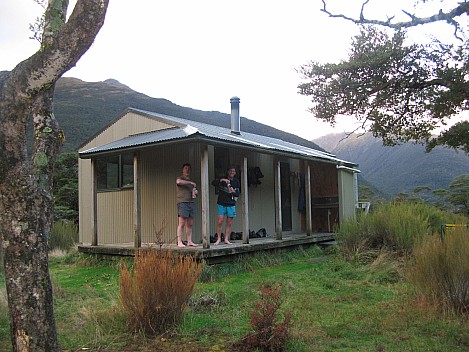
{"x":115,"y":172}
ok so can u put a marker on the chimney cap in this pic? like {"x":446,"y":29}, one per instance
{"x":234,"y":99}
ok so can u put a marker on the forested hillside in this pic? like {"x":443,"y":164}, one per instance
{"x":400,"y":168}
{"x":84,"y":108}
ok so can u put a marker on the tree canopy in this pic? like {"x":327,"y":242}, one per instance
{"x":397,"y":89}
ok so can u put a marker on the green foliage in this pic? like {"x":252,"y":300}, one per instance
{"x":156,"y":295}
{"x":398,"y":91}
{"x":455,"y":137}
{"x":459,"y":194}
{"x":66,"y":187}
{"x":440,"y":270}
{"x":396,"y":226}
{"x":64,"y":235}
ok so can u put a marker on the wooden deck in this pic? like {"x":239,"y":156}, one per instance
{"x":218,"y":253}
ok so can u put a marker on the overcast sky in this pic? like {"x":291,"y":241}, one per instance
{"x":201,"y":53}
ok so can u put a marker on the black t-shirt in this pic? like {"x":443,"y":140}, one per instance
{"x":226,"y":198}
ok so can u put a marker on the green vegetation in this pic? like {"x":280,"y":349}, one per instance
{"x":396,"y":226}
{"x":335,"y":305}
{"x":64,"y":235}
{"x":439,"y":270}
{"x":66,"y":187}
{"x":393,"y":283}
{"x":398,"y":86}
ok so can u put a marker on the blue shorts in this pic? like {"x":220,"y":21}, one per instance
{"x":186,"y":209}
{"x":229,"y":211}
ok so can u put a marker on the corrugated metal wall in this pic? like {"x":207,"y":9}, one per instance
{"x":346,"y":195}
{"x":160,"y":168}
{"x":128,"y":124}
{"x":115,"y":214}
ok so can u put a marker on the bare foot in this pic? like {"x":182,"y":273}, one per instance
{"x":228,"y":242}
{"x":181,"y":245}
{"x":192,"y":244}
{"x":218,"y":242}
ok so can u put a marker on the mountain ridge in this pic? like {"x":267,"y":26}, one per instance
{"x":400,"y":168}
{"x":84,"y":108}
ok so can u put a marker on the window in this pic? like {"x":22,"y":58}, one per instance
{"x":115,"y":172}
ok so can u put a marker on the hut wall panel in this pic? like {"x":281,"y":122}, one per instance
{"x":160,"y":168}
{"x":127,"y":125}
{"x":115,"y":212}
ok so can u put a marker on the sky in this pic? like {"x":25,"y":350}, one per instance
{"x":201,"y":53}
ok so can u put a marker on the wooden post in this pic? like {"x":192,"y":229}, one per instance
{"x":245,"y":201}
{"x":309,"y":218}
{"x":137,"y":204}
{"x":278,"y":203}
{"x":205,"y":196}
{"x":94,"y":204}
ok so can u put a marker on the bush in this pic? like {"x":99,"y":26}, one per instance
{"x":155,"y":297}
{"x":440,"y":270}
{"x":394,"y":226}
{"x":268,"y":335}
{"x":64,"y":235}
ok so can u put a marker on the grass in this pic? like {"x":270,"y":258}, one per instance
{"x":335,"y":305}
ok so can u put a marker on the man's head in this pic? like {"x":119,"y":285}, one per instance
{"x":231,"y":172}
{"x":186,"y":169}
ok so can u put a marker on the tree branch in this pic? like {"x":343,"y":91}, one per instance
{"x":64,"y":46}
{"x":462,"y":8}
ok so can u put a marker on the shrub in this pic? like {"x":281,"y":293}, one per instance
{"x":440,"y":270}
{"x":395,"y":226}
{"x":268,"y":335}
{"x":64,"y":235}
{"x":155,"y":297}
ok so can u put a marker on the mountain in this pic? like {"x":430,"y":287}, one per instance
{"x":400,"y":168}
{"x":85,"y":108}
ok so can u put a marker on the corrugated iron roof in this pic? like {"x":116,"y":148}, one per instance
{"x":193,"y":129}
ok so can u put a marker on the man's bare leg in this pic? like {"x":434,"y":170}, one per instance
{"x":181,"y":223}
{"x":228,"y":230}
{"x":220,"y":219}
{"x":189,"y":223}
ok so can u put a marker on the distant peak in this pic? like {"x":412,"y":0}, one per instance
{"x":114,"y":81}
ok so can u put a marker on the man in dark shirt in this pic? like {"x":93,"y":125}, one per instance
{"x":228,"y":193}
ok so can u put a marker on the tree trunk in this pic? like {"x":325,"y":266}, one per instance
{"x":26,"y":207}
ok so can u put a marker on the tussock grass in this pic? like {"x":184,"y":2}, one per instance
{"x":157,"y":293}
{"x":395,"y":226}
{"x":64,"y":235}
{"x":440,"y":270}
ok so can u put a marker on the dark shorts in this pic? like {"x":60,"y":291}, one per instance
{"x":186,"y":210}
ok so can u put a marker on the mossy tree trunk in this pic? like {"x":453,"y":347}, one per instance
{"x":26,"y":207}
